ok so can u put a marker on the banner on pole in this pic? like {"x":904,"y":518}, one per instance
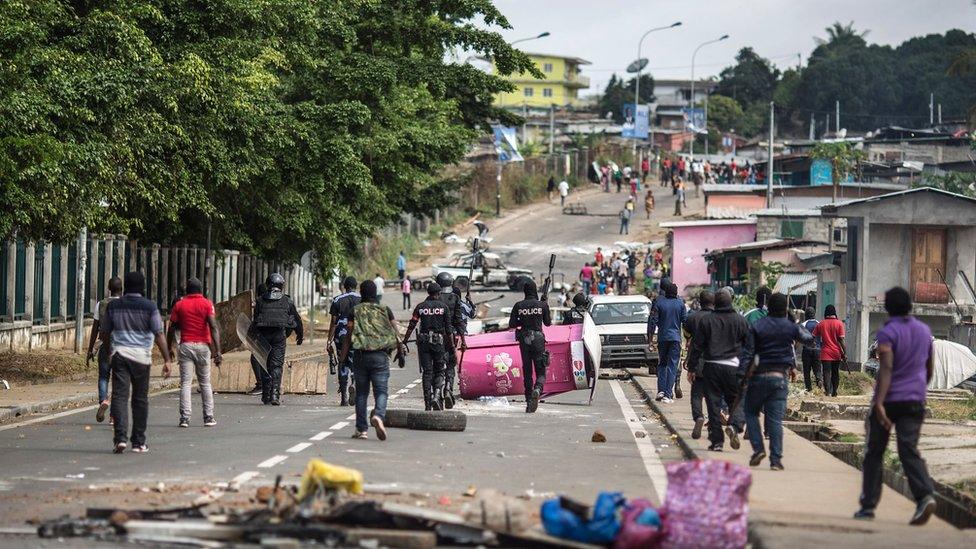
{"x":694,"y":120}
{"x":636,"y":121}
{"x":506,"y":144}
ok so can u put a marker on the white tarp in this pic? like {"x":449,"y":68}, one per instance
{"x":953,"y":364}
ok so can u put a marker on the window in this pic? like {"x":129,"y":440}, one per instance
{"x":791,"y":228}
{"x":529,"y":92}
{"x":547,"y":67}
{"x":546,"y":92}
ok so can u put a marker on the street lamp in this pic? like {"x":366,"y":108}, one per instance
{"x":700,"y":46}
{"x":541,"y":35}
{"x":640,"y":63}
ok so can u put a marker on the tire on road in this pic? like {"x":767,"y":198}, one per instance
{"x":420,"y":420}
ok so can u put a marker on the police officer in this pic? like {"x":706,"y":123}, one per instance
{"x":339,"y":311}
{"x":527,"y":318}
{"x":576,"y":313}
{"x":275,"y":318}
{"x":468,"y":310}
{"x":453,"y":302}
{"x":433,"y":336}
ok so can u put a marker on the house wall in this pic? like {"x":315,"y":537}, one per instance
{"x":691,"y":243}
{"x":814,"y":228}
{"x":563,"y":81}
{"x":929,"y":153}
{"x":718,"y":206}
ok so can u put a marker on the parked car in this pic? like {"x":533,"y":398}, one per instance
{"x":492,"y":271}
{"x":621,"y":322}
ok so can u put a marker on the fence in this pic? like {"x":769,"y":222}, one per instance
{"x":38,"y":282}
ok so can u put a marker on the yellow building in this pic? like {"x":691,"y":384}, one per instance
{"x":560,"y":85}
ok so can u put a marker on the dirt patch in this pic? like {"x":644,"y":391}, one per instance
{"x":855,"y":383}
{"x":953,"y":410}
{"x":42,"y":366}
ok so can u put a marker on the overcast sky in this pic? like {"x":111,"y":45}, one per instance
{"x":605,"y":32}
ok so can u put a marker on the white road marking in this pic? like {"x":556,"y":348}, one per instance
{"x":391,"y":397}
{"x":298,"y":447}
{"x":411,"y":386}
{"x":402,"y":391}
{"x":73,"y":411}
{"x":271,"y":462}
{"x":352,"y":417}
{"x":340,"y":425}
{"x":648,"y":453}
{"x":321,"y":436}
{"x":243,"y":478}
{"x":416,"y":381}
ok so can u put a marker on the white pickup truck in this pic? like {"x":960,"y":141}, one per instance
{"x":621,"y":323}
{"x":493,"y":271}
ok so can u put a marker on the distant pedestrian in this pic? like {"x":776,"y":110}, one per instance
{"x":622,"y":277}
{"x":405,"y":288}
{"x":401,"y":266}
{"x":649,"y":203}
{"x":550,"y":187}
{"x":586,"y":277}
{"x":645,"y":168}
{"x":339,"y":313}
{"x":598,"y":257}
{"x":195,"y":318}
{"x":618,"y":179}
{"x":772,"y":340}
{"x":679,"y":197}
{"x":706,"y":300}
{"x":104,"y":350}
{"x":634,"y":182}
{"x":811,"y":354}
{"x":904,"y":371}
{"x":625,"y":220}
{"x":563,"y":192}
{"x":131,"y":325}
{"x":380,"y":283}
{"x":832,"y":349}
{"x":668,"y":313}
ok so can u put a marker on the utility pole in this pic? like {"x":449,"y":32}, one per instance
{"x":826,"y":125}
{"x":706,"y":121}
{"x":813,"y":129}
{"x":940,"y":113}
{"x":837,"y":117}
{"x":498,"y":189}
{"x":525,"y":117}
{"x":82,"y":256}
{"x":769,"y":166}
{"x":552,"y":135}
{"x":931,"y":109}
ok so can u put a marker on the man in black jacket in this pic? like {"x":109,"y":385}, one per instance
{"x":706,"y":299}
{"x":715,"y":350}
{"x":527,"y":319}
{"x":434,"y":334}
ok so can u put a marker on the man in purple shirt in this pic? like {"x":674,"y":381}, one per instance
{"x":905,"y":368}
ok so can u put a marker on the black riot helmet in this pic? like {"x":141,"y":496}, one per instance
{"x":275,"y":281}
{"x":530,"y":289}
{"x":461,"y":283}
{"x":579,"y":299}
{"x":445,"y":280}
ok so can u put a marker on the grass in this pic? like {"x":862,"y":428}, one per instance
{"x":954,"y":410}
{"x":39,"y":366}
{"x":849,"y":437}
{"x":967,"y":486}
{"x":855,"y":383}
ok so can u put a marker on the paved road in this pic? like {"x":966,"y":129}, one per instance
{"x":503,"y":448}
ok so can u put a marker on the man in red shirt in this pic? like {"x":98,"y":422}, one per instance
{"x":194,"y":317}
{"x":598,"y":256}
{"x":832,"y":350}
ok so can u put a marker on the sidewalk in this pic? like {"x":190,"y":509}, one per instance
{"x":812,"y":501}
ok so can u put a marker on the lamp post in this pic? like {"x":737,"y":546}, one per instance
{"x":640,"y":66}
{"x":693,"y":55}
{"x":540,"y":35}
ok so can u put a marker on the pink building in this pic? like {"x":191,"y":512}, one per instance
{"x":691,"y":240}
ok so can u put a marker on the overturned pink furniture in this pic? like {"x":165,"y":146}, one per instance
{"x":492,"y":365}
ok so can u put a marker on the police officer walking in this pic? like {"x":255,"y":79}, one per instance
{"x":576,"y":314}
{"x":342,"y":305}
{"x":453,"y":303}
{"x":433,"y":335}
{"x":527,"y":319}
{"x":275,"y":317}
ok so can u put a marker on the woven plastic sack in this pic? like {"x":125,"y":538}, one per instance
{"x":601,"y":528}
{"x":707,"y":505}
{"x":640,"y":527}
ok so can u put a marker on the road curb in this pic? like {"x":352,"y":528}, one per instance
{"x":637,"y":377}
{"x":75,"y":401}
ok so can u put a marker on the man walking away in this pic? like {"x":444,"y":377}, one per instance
{"x":104,"y":351}
{"x":131,"y":325}
{"x":905,"y":369}
{"x":274,"y":319}
{"x":832,"y":350}
{"x":401,"y":266}
{"x":759,"y":312}
{"x":706,"y":299}
{"x":668,"y":313}
{"x":586,"y":277}
{"x":195,"y":318}
{"x":373,"y":335}
{"x":527,"y":319}
{"x":649,"y":203}
{"x":380,"y":283}
{"x":563,"y":192}
{"x":433,"y":337}
{"x":550,"y":187}
{"x":625,"y":220}
{"x":339,"y":313}
{"x":715,"y":349}
{"x":811,"y":353}
{"x":772,"y":339}
{"x":405,"y":289}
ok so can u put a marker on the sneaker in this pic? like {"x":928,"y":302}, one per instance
{"x":757,"y":458}
{"x":533,"y":404}
{"x":184,"y":422}
{"x":923,"y":511}
{"x":667,"y":400}
{"x":140,"y":449}
{"x":360,"y":435}
{"x":209,"y":421}
{"x":120,"y":447}
{"x":777,"y":466}
{"x":715,"y":447}
{"x":111,"y":420}
{"x":377,"y":423}
{"x":659,"y":397}
{"x":733,"y":437}
{"x":100,"y":414}
{"x":697,"y":431}
{"x":256,"y":390}
{"x":864,"y":514}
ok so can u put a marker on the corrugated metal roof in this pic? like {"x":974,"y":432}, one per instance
{"x":796,"y":283}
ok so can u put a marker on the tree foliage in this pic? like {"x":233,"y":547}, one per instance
{"x":619,"y":93}
{"x":752,"y":79}
{"x":285,"y":125}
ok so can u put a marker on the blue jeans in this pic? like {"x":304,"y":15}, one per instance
{"x":104,"y":372}
{"x":766,"y":393}
{"x":669,"y":353}
{"x":586,"y":287}
{"x":371,"y":368}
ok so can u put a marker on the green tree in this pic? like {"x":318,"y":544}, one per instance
{"x":844,"y":160}
{"x":619,"y":93}
{"x":963,"y":183}
{"x":752,"y":79}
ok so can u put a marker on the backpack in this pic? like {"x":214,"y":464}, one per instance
{"x":372,"y":330}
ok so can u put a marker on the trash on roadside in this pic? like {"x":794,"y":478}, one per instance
{"x":721,"y":523}
{"x":495,"y":402}
{"x":598,"y":436}
{"x":565,"y":518}
{"x":498,"y":512}
{"x":325,"y":477}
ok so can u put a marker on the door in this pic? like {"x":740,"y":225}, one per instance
{"x":829,"y":295}
{"x":928,"y":261}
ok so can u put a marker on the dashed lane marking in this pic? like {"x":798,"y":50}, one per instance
{"x":271,"y":462}
{"x":340,"y":425}
{"x":298,"y":447}
{"x":243,"y":478}
{"x":351,"y":417}
{"x":403,"y":391}
{"x":652,"y":461}
{"x":321,"y":436}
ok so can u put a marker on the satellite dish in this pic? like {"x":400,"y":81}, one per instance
{"x":637,"y":65}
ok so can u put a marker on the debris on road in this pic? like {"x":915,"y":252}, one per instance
{"x":598,"y":436}
{"x":640,"y":434}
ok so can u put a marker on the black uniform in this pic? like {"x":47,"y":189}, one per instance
{"x":574,"y":316}
{"x":433,"y":339}
{"x":453,"y":303}
{"x":528,"y":317}
{"x":341,"y":308}
{"x":275,"y":317}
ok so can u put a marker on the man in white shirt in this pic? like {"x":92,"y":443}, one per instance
{"x":563,"y":192}
{"x":379,"y":287}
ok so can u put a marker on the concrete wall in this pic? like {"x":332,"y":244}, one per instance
{"x":814,"y":228}
{"x":691,"y":243}
{"x":719,"y":206}
{"x":918,"y":152}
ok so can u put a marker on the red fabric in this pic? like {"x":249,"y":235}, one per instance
{"x":830,"y":331}
{"x":599,"y":258}
{"x":191,"y":314}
